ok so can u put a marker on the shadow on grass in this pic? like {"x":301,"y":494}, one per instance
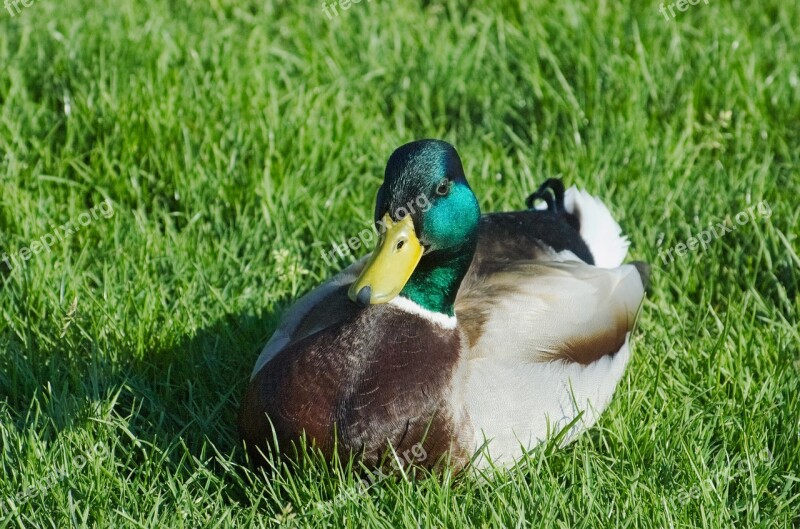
{"x":177,"y":401}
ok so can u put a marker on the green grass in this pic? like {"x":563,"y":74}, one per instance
{"x":237,"y":139}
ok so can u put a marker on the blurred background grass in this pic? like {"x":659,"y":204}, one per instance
{"x":237,"y":140}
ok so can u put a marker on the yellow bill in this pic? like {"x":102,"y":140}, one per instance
{"x":391,"y":264}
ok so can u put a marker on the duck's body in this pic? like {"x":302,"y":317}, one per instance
{"x":526,"y":338}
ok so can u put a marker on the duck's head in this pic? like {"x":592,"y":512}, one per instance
{"x":428,"y":219}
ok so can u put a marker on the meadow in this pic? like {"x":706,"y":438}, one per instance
{"x":234,"y":141}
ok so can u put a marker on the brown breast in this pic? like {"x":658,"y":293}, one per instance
{"x":370,"y":390}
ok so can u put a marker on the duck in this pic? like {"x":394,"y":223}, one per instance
{"x":471,"y":338}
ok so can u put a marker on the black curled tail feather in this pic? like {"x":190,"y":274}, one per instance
{"x":552,"y":193}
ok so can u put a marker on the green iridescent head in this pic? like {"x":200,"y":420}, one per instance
{"x":428,"y":218}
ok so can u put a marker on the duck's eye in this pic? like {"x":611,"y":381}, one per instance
{"x":401,"y":214}
{"x":443,"y":188}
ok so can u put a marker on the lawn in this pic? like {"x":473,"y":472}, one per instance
{"x":173,"y":174}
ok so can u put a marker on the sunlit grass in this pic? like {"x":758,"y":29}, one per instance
{"x":238,"y":140}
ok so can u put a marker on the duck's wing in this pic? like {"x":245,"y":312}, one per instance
{"x":533,"y":291}
{"x":324,"y":306}
{"x":549,"y":310}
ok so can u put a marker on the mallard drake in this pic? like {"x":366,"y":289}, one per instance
{"x":460,"y":332}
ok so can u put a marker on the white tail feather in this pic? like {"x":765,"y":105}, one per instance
{"x":599,"y":230}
